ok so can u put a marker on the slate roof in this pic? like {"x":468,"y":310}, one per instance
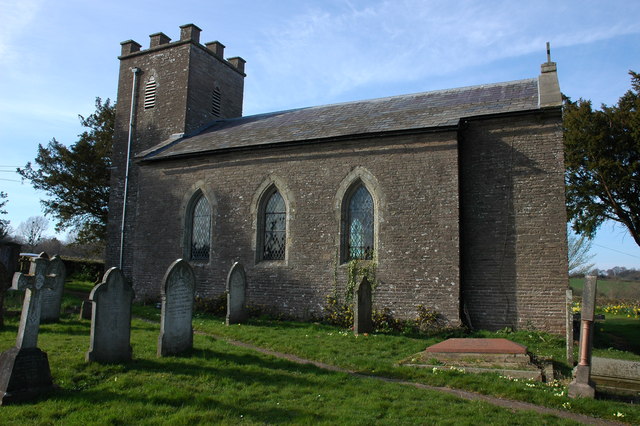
{"x":442,"y":108}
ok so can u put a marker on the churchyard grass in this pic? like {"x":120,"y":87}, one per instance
{"x":221,"y":383}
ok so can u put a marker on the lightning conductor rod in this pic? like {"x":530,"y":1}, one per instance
{"x":135,"y":72}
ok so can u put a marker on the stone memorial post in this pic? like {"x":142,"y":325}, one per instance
{"x":24,"y":369}
{"x":582,"y":386}
{"x":178,"y":292}
{"x":111,"y":319}
{"x":362,"y":308}
{"x":236,"y":294}
{"x":569,"y":327}
{"x":52,"y":298}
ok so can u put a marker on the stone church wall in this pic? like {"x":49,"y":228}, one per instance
{"x":414,"y":181}
{"x":513,"y":238}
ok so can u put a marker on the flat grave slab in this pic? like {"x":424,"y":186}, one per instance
{"x":474,"y":355}
{"x":478,"y":346}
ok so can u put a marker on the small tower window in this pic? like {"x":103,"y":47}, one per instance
{"x":216,"y":99}
{"x":150,"y":93}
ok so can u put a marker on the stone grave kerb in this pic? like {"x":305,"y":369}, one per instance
{"x":363,"y":309}
{"x":582,"y":385}
{"x":177,"y":294}
{"x":110,"y":340}
{"x":24,"y":369}
{"x":236,"y":294}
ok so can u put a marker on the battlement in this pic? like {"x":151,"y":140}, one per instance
{"x":189,"y":33}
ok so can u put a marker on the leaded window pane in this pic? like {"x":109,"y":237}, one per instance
{"x":275,"y":232}
{"x":360,"y":225}
{"x":201,"y":230}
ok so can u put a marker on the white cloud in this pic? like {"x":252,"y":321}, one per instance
{"x":322,"y":53}
{"x":17,"y":15}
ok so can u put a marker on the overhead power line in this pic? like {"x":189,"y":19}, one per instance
{"x":617,"y":251}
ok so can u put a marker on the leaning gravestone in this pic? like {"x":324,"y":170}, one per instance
{"x":111,"y":319}
{"x":236,"y":294}
{"x":362,"y":309}
{"x":178,"y":292}
{"x":582,"y":385}
{"x":5,"y":283}
{"x":24,"y":369}
{"x":52,"y":298}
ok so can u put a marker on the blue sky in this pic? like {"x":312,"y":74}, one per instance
{"x":57,"y":56}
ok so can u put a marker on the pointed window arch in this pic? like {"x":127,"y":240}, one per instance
{"x":358,"y":224}
{"x":273,"y":226}
{"x":199,"y":228}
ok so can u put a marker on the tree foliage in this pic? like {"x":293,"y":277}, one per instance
{"x":31,"y":231}
{"x":602,"y":158}
{"x":579,"y":256}
{"x":76,"y":178}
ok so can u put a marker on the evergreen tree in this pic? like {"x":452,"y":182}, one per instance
{"x":76,"y":178}
{"x":602,"y":158}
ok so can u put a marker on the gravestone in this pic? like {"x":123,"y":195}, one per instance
{"x":582,"y":385}
{"x":178,"y":292}
{"x":111,"y":319}
{"x":362,"y":308}
{"x":236,"y":294}
{"x":85,"y":310}
{"x":5,"y":283}
{"x":9,"y":254}
{"x":24,"y":369}
{"x":52,"y":298}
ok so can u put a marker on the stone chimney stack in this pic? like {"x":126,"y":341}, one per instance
{"x":548,"y":85}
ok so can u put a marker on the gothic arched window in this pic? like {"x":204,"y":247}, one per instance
{"x":274,"y":227}
{"x":200,"y":228}
{"x":358,"y":225}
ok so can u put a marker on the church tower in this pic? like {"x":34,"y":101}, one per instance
{"x":168,"y":90}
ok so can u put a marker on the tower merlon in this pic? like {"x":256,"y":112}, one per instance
{"x":216,"y":47}
{"x":238,"y":63}
{"x":190,"y":32}
{"x":129,"y":47}
{"x":158,"y":39}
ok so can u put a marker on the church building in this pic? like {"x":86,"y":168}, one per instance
{"x":454,"y":197}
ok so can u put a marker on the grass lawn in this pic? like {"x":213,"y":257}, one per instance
{"x":219,"y":382}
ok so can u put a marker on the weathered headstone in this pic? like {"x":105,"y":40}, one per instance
{"x":236,"y":294}
{"x":111,"y":319}
{"x":52,"y":298}
{"x":569,"y":326}
{"x":24,"y":369}
{"x":85,"y":310}
{"x":362,"y":308}
{"x":582,"y":385}
{"x":5,"y":283}
{"x":617,"y":375}
{"x":9,"y":254}
{"x":178,"y":292}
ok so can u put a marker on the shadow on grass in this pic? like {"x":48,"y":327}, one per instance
{"x":620,"y":334}
{"x":201,"y":405}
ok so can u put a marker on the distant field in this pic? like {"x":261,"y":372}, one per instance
{"x":610,"y":289}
